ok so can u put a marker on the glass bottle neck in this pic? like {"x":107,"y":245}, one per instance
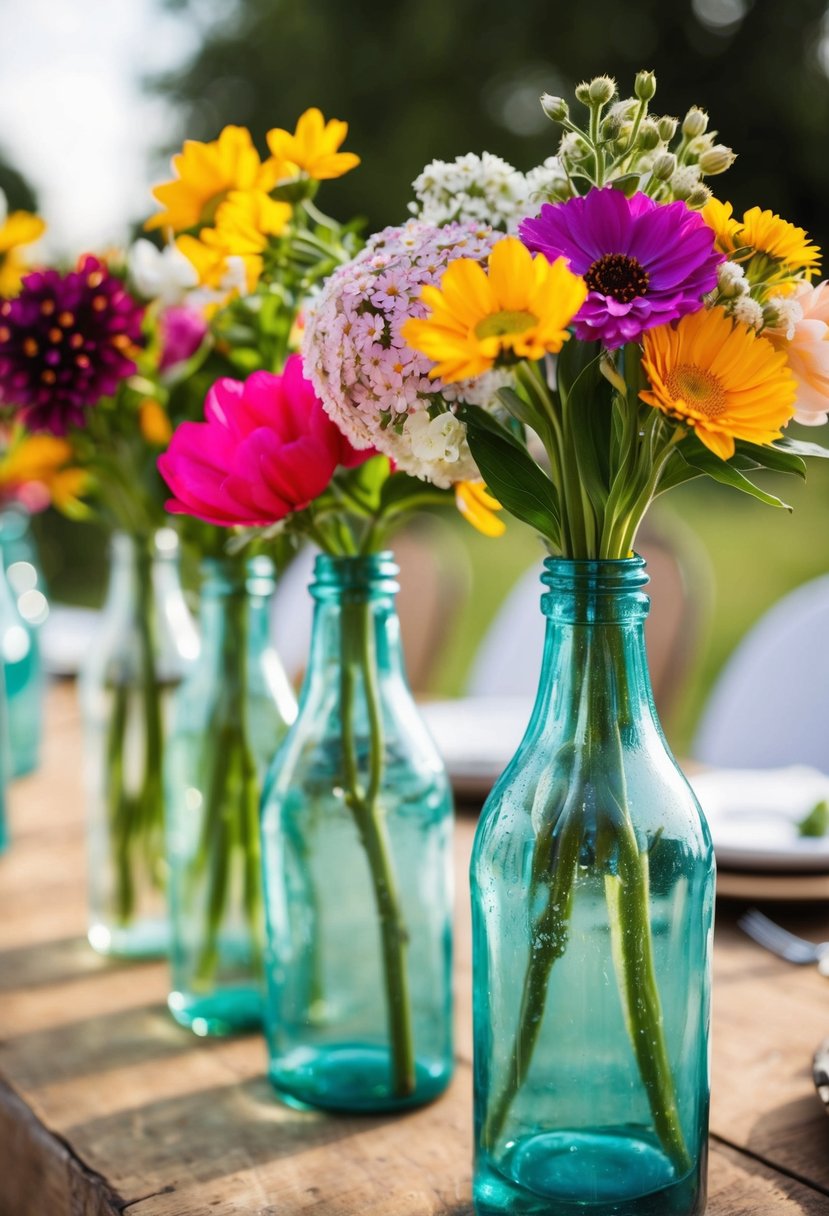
{"x":355,"y":619}
{"x":236,"y":595}
{"x":594,"y":676}
{"x":139,"y":563}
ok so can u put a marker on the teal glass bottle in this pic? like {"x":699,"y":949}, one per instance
{"x":4,"y":763}
{"x":592,"y":901}
{"x":228,"y":717}
{"x":23,"y":609}
{"x":146,"y":642}
{"x":356,"y":839}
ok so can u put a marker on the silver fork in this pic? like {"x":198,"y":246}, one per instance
{"x":780,"y":941}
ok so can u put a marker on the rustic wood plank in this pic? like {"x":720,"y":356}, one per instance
{"x":39,"y":1174}
{"x":109,"y":1106}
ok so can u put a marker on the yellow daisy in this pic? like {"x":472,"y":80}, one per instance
{"x":766,"y":233}
{"x":312,"y":150}
{"x":205,"y":174}
{"x":41,"y":463}
{"x":478,"y":508}
{"x":245,"y":222}
{"x":517,"y":309}
{"x":19,"y":228}
{"x":720,"y":217}
{"x":718,"y":377}
{"x":762,"y":232}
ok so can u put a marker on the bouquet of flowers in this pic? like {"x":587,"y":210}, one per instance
{"x":86,"y":371}
{"x":645,"y":336}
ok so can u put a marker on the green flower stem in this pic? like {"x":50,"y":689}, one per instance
{"x":136,"y":820}
{"x":358,"y":665}
{"x":627,"y":898}
{"x":603,"y":710}
{"x":152,"y":788}
{"x":230,"y":832}
{"x":120,"y":808}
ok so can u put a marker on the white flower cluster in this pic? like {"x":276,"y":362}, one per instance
{"x":481,"y":190}
{"x":377,"y":388}
{"x":161,"y":274}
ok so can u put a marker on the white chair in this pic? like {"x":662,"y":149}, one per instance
{"x":770,"y":705}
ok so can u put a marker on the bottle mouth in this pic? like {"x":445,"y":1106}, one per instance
{"x":595,"y":590}
{"x":373,"y":573}
{"x":595,"y":575}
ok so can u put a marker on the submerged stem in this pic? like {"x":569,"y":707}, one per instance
{"x":358,"y":658}
{"x":595,"y":773}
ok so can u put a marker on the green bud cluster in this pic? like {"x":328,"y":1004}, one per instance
{"x":621,"y":142}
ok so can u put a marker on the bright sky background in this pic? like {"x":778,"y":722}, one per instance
{"x":75,"y":121}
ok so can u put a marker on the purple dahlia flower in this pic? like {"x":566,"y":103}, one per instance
{"x":65,"y":342}
{"x":645,"y":263}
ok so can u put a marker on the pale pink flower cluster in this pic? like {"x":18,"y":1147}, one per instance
{"x":375,"y":387}
{"x":808,"y":353}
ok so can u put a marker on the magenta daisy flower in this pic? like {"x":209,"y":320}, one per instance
{"x":645,"y":263}
{"x":65,"y":342}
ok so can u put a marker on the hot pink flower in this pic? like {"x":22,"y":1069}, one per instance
{"x":182,"y":333}
{"x":266,"y":449}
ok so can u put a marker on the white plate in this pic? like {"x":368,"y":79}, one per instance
{"x":753,"y":815}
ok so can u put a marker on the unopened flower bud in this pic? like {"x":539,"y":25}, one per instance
{"x":695,"y":122}
{"x":667,"y":128}
{"x":700,"y":144}
{"x":782,"y":315}
{"x":645,"y":85}
{"x":648,"y":136}
{"x":572,"y":148}
{"x":583,"y":93}
{"x":610,"y":126}
{"x":731,"y":280}
{"x":684,"y":181}
{"x":716,"y":160}
{"x":664,"y":166}
{"x":555,"y":108}
{"x":699,"y":196}
{"x":748,"y":311}
{"x":602,"y":90}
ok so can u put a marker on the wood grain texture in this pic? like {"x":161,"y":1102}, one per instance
{"x":106,"y":1106}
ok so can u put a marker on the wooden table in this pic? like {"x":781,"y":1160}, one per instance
{"x":106,"y":1106}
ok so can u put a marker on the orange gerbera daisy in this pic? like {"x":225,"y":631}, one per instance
{"x":717,"y":376}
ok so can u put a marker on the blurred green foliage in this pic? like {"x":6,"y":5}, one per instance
{"x":419,"y":79}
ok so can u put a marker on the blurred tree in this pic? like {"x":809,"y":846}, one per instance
{"x":419,"y":79}
{"x":20,"y":196}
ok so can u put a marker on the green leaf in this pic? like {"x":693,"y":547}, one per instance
{"x":774,"y":457}
{"x":724,"y":472}
{"x":675,"y":473}
{"x":512,"y":475}
{"x":800,"y":447}
{"x":587,"y":409}
{"x":474,"y":415}
{"x":628,"y":184}
{"x":521,"y":409}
